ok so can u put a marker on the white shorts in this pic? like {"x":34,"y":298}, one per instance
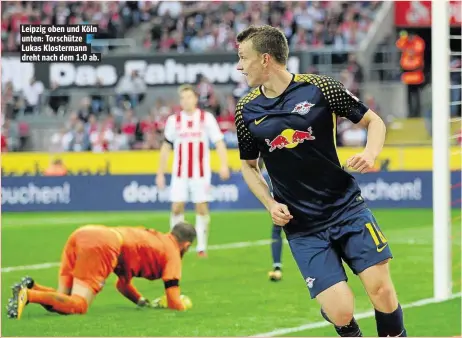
{"x":190,"y":190}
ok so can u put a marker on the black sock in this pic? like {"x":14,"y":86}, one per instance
{"x":350,"y":330}
{"x":390,"y":324}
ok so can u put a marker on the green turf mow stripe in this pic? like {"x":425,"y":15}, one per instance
{"x":362,"y":315}
{"x":227,"y":246}
{"x":13,"y":220}
{"x":48,"y":265}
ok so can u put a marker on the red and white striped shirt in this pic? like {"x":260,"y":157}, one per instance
{"x":190,"y":135}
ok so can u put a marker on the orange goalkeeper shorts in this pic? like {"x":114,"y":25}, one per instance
{"x":90,"y":255}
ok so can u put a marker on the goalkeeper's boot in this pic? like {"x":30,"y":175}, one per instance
{"x":26,"y":282}
{"x":275,"y":275}
{"x":12,"y":309}
{"x":22,"y":301}
{"x":17,"y":304}
{"x":13,"y":300}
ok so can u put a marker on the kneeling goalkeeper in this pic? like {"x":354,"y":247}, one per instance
{"x":93,"y":252}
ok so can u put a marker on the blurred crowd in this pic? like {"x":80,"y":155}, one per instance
{"x":204,"y":26}
{"x":198,"y":26}
{"x":103,"y":123}
{"x":14,"y":134}
{"x":94,"y":128}
{"x":109,"y":123}
{"x":91,"y":129}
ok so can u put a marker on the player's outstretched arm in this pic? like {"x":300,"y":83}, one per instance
{"x":343,"y":103}
{"x":174,"y":301}
{"x":256,"y":182}
{"x":171,"y":276}
{"x":166,"y":147}
{"x":126,"y":288}
{"x":376,"y":131}
{"x":221,"y":149}
{"x":252,"y":175}
{"x":216,"y":136}
{"x":249,"y":154}
{"x":163,"y":160}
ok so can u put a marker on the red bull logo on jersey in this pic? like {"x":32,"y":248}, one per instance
{"x":290,"y":138}
{"x":303,"y":108}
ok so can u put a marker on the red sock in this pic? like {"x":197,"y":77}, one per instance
{"x":61,"y":303}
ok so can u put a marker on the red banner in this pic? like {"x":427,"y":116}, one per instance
{"x":418,"y":13}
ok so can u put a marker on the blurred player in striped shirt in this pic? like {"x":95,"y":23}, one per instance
{"x":189,"y":133}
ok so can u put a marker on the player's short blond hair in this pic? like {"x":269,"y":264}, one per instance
{"x":267,"y":40}
{"x":186,"y":87}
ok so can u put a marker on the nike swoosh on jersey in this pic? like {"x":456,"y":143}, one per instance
{"x":382,"y":248}
{"x":257,"y":122}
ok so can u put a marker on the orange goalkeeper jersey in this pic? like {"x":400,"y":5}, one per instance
{"x":149,"y":254}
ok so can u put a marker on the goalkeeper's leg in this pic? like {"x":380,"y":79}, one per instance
{"x":76,"y":303}
{"x":29,"y":283}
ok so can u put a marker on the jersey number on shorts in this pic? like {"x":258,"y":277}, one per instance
{"x":377,"y":236}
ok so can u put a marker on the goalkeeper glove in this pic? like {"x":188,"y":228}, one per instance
{"x":187,"y":303}
{"x":143,"y":302}
{"x":162,"y":303}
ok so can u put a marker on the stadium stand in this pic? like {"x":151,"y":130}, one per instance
{"x":130,"y":116}
{"x":201,"y":27}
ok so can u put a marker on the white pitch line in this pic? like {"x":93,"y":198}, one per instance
{"x":48,"y":265}
{"x":236,"y":245}
{"x":362,"y":315}
{"x":9,"y":221}
{"x":31,"y":267}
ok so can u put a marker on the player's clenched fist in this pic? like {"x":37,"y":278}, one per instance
{"x":280,"y":214}
{"x":362,"y":162}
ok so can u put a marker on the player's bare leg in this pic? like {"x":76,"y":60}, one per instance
{"x":381,"y":291}
{"x":337,"y":307}
{"x":177,"y":214}
{"x":202,"y":227}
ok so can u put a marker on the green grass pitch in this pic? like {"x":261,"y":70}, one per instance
{"x":230,"y":290}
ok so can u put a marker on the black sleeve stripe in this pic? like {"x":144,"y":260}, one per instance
{"x":171,"y":283}
{"x":169,"y":142}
